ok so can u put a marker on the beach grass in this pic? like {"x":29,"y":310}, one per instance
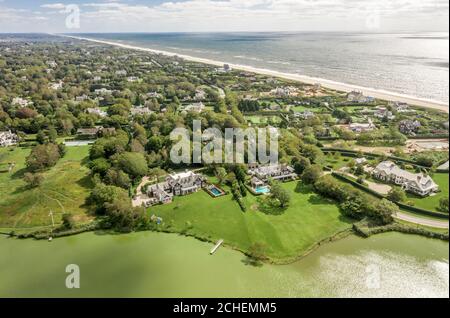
{"x":64,"y":189}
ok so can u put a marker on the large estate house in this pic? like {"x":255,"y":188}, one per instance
{"x":140,"y":110}
{"x":195,"y":107}
{"x":362,"y":127}
{"x":21,"y":102}
{"x":94,"y":132}
{"x":383,"y":113}
{"x":277,"y":172}
{"x":97,"y":111}
{"x":176,"y":185}
{"x":358,"y":97}
{"x":7,"y":138}
{"x":416,"y":183}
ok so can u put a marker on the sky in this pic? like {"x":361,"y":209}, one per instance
{"x":71,"y":16}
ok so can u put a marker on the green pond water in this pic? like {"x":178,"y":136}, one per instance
{"x":166,"y":265}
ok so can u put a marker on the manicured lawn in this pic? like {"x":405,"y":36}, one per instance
{"x":64,"y":189}
{"x":285,"y":233}
{"x":337,"y":162}
{"x":302,"y":108}
{"x":432,"y":202}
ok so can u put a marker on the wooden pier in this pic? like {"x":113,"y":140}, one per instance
{"x":214,"y":249}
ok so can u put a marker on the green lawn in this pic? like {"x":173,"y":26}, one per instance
{"x":432,"y":202}
{"x":301,"y":108}
{"x":285,"y":233}
{"x":64,"y":189}
{"x":337,"y":162}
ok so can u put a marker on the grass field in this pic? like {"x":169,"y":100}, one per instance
{"x":337,"y":162}
{"x":64,"y":189}
{"x":302,"y":108}
{"x":285,"y":233}
{"x":432,"y":202}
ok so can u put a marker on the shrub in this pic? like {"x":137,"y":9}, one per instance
{"x":397,"y":195}
{"x":33,"y":179}
{"x":311,"y":174}
{"x":443,"y":204}
{"x":68,"y":221}
{"x":43,"y":157}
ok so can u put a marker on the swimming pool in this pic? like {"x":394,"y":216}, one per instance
{"x":216,"y":192}
{"x":262,"y":190}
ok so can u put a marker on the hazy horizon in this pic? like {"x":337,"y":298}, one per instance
{"x":211,"y":16}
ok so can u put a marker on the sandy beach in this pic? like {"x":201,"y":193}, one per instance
{"x":377,"y":93}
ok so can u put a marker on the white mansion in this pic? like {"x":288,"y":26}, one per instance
{"x":416,"y":183}
{"x":7,"y":138}
{"x":277,"y":172}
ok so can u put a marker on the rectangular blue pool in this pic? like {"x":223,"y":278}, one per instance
{"x":262,"y":190}
{"x":216,"y":192}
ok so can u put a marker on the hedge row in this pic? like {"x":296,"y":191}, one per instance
{"x":44,"y":234}
{"x":380,"y":196}
{"x":367,"y":231}
{"x":265,"y":113}
{"x":429,"y":136}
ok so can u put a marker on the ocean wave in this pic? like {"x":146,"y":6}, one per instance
{"x":251,"y":58}
{"x":279,"y":62}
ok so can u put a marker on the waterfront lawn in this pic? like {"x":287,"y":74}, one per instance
{"x":64,"y":189}
{"x":285,"y":234}
{"x":432,"y":202}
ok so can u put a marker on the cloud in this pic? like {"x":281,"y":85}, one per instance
{"x":56,"y":6}
{"x":234,"y":15}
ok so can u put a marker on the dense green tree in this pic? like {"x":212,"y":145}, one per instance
{"x":42,"y":157}
{"x":443,"y":204}
{"x":117,"y":178}
{"x":100,"y":165}
{"x":280,"y":194}
{"x":311,"y":174}
{"x":300,"y":163}
{"x":221,"y":175}
{"x":397,"y":195}
{"x":384,"y":211}
{"x":133,"y":163}
{"x":220,"y":107}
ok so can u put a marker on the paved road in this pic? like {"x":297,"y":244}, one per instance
{"x":444,"y":166}
{"x":423,"y":221}
{"x":384,"y":189}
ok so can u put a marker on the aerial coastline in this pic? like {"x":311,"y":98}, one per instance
{"x":338,"y":86}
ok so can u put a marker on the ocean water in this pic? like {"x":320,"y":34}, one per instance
{"x":411,"y":64}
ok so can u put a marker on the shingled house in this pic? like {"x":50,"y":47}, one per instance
{"x":417,"y":183}
{"x":176,"y":185}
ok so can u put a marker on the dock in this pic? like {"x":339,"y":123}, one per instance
{"x":214,"y":249}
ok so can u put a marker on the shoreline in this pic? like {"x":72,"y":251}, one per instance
{"x":353,"y":230}
{"x":376,"y":93}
